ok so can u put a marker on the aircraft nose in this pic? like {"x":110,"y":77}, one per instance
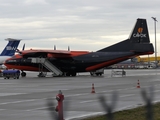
{"x":9,"y":61}
{"x":6,"y":61}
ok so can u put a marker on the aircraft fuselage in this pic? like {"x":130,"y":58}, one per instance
{"x":71,"y":62}
{"x":82,"y":63}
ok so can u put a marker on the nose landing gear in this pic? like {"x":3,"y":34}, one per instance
{"x":23,"y":74}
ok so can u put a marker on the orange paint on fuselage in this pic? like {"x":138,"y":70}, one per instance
{"x":56,"y":53}
{"x":27,"y":68}
{"x":71,"y":54}
{"x":77,"y":53}
{"x":111,"y":62}
{"x":50,"y":54}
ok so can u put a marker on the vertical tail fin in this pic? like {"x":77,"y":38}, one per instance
{"x":140,"y":32}
{"x":11,"y":47}
{"x":138,"y":41}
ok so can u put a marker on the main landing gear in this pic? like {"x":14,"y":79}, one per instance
{"x":73,"y":74}
{"x":42,"y":74}
{"x":96,"y":74}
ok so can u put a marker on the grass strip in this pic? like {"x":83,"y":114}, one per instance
{"x":138,"y":113}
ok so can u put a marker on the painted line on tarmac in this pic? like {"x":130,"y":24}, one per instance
{"x":10,"y":94}
{"x":108,"y":91}
{"x":14,"y":102}
{"x":7,"y":83}
{"x":156,"y":91}
{"x":127,"y":107}
{"x":73,"y":95}
{"x":117,"y":90}
{"x":100,"y":113}
{"x":127,"y":95}
{"x":41,"y":108}
{"x":86,"y":115}
{"x":5,"y":103}
{"x":30,"y":100}
{"x":88,"y":101}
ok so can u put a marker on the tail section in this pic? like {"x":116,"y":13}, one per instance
{"x":140,"y":32}
{"x":11,"y":47}
{"x":138,"y":41}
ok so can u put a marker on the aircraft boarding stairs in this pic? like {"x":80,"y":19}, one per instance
{"x":48,"y":65}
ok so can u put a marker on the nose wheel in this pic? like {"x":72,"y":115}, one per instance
{"x":23,"y":74}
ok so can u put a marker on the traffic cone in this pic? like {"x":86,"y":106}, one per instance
{"x":93,"y":90}
{"x":138,"y":84}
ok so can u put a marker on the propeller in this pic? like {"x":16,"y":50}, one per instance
{"x":54,"y":47}
{"x":23,"y":47}
{"x":68,"y":48}
{"x":20,"y":52}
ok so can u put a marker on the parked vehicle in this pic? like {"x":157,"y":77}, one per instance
{"x":1,"y":74}
{"x":97,"y":72}
{"x":11,"y":74}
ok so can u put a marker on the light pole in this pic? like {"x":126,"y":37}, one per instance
{"x":155,"y":20}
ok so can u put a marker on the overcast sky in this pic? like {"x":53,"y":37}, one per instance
{"x":83,"y":25}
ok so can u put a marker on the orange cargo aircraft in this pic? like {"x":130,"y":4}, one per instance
{"x":68,"y":63}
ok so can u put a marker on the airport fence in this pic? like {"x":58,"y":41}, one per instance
{"x":109,"y":109}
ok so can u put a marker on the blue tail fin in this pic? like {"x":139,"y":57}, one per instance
{"x":11,"y":47}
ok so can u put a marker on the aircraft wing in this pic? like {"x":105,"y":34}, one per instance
{"x":45,"y":53}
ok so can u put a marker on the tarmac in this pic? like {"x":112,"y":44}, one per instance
{"x":26,"y":98}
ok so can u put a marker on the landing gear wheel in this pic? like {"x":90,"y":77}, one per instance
{"x":68,"y":74}
{"x":92,"y":74}
{"x":23,"y":74}
{"x":42,"y":74}
{"x":73,"y":74}
{"x":98,"y":74}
